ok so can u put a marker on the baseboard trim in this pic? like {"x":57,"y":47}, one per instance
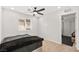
{"x":54,"y":41}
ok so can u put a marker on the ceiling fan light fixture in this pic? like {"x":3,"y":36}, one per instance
{"x":35,"y":13}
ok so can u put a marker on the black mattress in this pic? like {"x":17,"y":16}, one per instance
{"x":19,"y":43}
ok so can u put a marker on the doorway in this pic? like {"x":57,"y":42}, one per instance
{"x":68,"y":29}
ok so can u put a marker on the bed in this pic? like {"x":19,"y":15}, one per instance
{"x":21,"y":43}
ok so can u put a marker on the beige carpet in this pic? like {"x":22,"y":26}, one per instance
{"x":49,"y":46}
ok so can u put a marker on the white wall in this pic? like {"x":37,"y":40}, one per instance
{"x":10,"y":23}
{"x":77,"y":30}
{"x":50,"y":27}
{"x":0,"y":23}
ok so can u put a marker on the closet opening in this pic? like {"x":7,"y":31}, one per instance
{"x":68,"y":29}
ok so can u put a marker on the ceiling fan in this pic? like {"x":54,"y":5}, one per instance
{"x":35,"y":11}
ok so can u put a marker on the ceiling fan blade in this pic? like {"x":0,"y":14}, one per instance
{"x":41,"y":13}
{"x":41,"y":10}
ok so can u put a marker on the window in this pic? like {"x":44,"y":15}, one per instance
{"x":24,"y":24}
{"x":28,"y":24}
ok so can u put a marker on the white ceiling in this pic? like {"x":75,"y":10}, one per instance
{"x":29,"y":9}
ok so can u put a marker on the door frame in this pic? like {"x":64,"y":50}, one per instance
{"x":76,"y":19}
